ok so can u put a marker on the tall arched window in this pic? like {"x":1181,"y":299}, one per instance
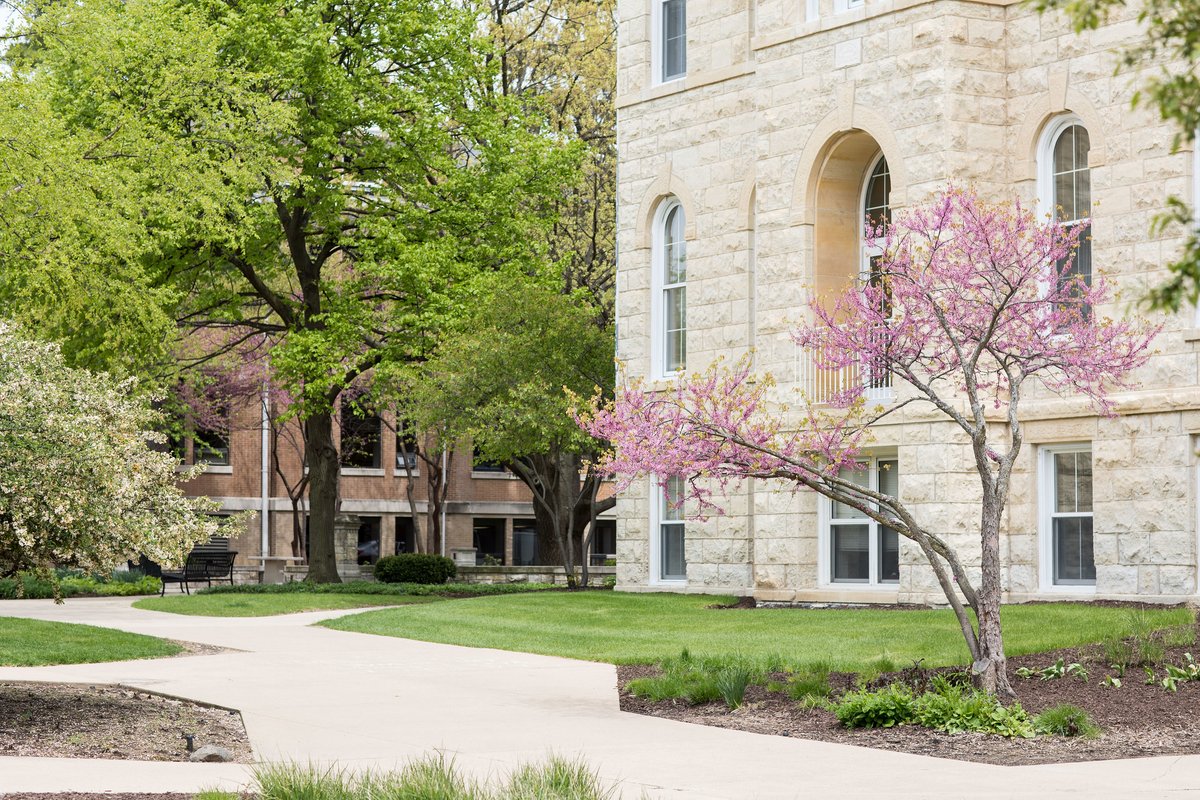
{"x":670,"y":273}
{"x":877,"y":211}
{"x":1066,"y":188}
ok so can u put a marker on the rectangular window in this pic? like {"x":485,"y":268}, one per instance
{"x":368,"y":540}
{"x":481,"y":464}
{"x":524,"y":542}
{"x":406,"y":540}
{"x":672,"y":563}
{"x":406,"y":448}
{"x":211,"y":447}
{"x":361,"y":438}
{"x":488,"y":539}
{"x":1067,"y":499}
{"x":862,"y":550}
{"x":674,"y":39}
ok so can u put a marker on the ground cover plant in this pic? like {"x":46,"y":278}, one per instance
{"x":32,"y":643}
{"x":266,"y":605}
{"x":645,"y":628}
{"x":28,"y":586}
{"x":370,"y":587}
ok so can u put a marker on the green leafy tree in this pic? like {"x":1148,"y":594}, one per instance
{"x":322,"y":180}
{"x":501,"y":379}
{"x":1169,"y":55}
{"x":81,"y":483}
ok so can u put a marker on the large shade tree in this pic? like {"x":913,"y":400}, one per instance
{"x":327,"y":175}
{"x":498,"y":380}
{"x":972,"y":307}
{"x":84,"y":481}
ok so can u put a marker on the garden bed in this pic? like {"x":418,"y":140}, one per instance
{"x":1136,"y":719}
{"x":94,"y":721}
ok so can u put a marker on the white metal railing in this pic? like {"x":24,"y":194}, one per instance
{"x":820,"y":385}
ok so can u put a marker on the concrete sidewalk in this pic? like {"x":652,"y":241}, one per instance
{"x":310,"y":694}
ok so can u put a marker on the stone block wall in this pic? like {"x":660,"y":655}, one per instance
{"x":949,"y":90}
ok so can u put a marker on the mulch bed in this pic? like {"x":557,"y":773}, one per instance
{"x":1137,"y":720}
{"x":96,"y":721}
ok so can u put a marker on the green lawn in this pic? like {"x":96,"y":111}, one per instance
{"x":33,"y":643}
{"x":627,"y":628}
{"x":266,"y":605}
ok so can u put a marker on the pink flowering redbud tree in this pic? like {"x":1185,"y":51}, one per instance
{"x":970,"y":306}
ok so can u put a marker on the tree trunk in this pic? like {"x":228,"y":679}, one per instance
{"x":323,"y":496}
{"x":990,"y":670}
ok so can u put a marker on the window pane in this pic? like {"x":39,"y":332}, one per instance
{"x":889,"y":555}
{"x":676,"y":355}
{"x":1064,"y":151}
{"x":851,"y":554}
{"x":674,"y":44}
{"x":879,"y":187}
{"x":1072,"y":482}
{"x":1064,"y":196}
{"x":843,"y":511}
{"x":673,"y":564}
{"x":671,"y":496}
{"x":674,"y":247}
{"x":675,"y":339}
{"x":1083,"y":194}
{"x":889,"y":478}
{"x":1083,"y":144}
{"x":368,"y":540}
{"x":1073,"y":559}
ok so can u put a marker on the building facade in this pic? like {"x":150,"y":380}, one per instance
{"x":256,"y":466}
{"x":754,"y":137}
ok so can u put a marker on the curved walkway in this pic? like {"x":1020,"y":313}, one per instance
{"x":310,"y":694}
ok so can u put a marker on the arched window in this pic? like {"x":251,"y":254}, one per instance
{"x":877,"y":211}
{"x":1066,"y":188}
{"x":670,"y":281}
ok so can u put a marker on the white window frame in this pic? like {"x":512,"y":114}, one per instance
{"x":657,"y":56}
{"x":1046,"y":516}
{"x":657,"y":495}
{"x":658,"y":290}
{"x":825,"y":536}
{"x":842,"y":6}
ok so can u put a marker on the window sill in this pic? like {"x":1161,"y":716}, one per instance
{"x":362,"y":472}
{"x":400,"y":472}
{"x":218,"y":469}
{"x":493,"y":476}
{"x":1067,"y":590}
{"x":1191,"y":334}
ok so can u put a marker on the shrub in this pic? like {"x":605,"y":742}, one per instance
{"x":425,"y":568}
{"x":883,"y":708}
{"x":1066,"y":720}
{"x":947,"y":707}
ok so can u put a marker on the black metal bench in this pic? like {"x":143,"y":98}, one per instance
{"x":206,"y":562}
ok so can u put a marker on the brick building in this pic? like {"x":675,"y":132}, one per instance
{"x":257,"y":465}
{"x":754,"y":135}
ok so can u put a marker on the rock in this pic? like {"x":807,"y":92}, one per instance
{"x":211,"y":752}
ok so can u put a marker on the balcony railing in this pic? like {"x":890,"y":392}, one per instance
{"x":821,"y":385}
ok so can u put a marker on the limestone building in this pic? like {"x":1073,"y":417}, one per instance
{"x":754,"y":135}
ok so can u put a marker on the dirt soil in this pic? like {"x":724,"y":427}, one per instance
{"x":1136,"y":719}
{"x":97,"y":721}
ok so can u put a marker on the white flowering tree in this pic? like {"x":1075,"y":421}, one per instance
{"x":82,"y":483}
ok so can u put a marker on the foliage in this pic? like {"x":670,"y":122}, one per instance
{"x":947,"y":707}
{"x":32,"y":643}
{"x":810,"y":683}
{"x":364,"y":175}
{"x":732,"y":683}
{"x":426,"y":568}
{"x":967,"y":314}
{"x":1166,"y":59}
{"x":1058,"y":669}
{"x":498,"y":379}
{"x":431,"y":778}
{"x":29,"y":586}
{"x":1066,"y":720}
{"x":880,"y":708}
{"x":370,"y":587}
{"x":645,"y":628}
{"x":264,"y":605}
{"x":80,"y":482}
